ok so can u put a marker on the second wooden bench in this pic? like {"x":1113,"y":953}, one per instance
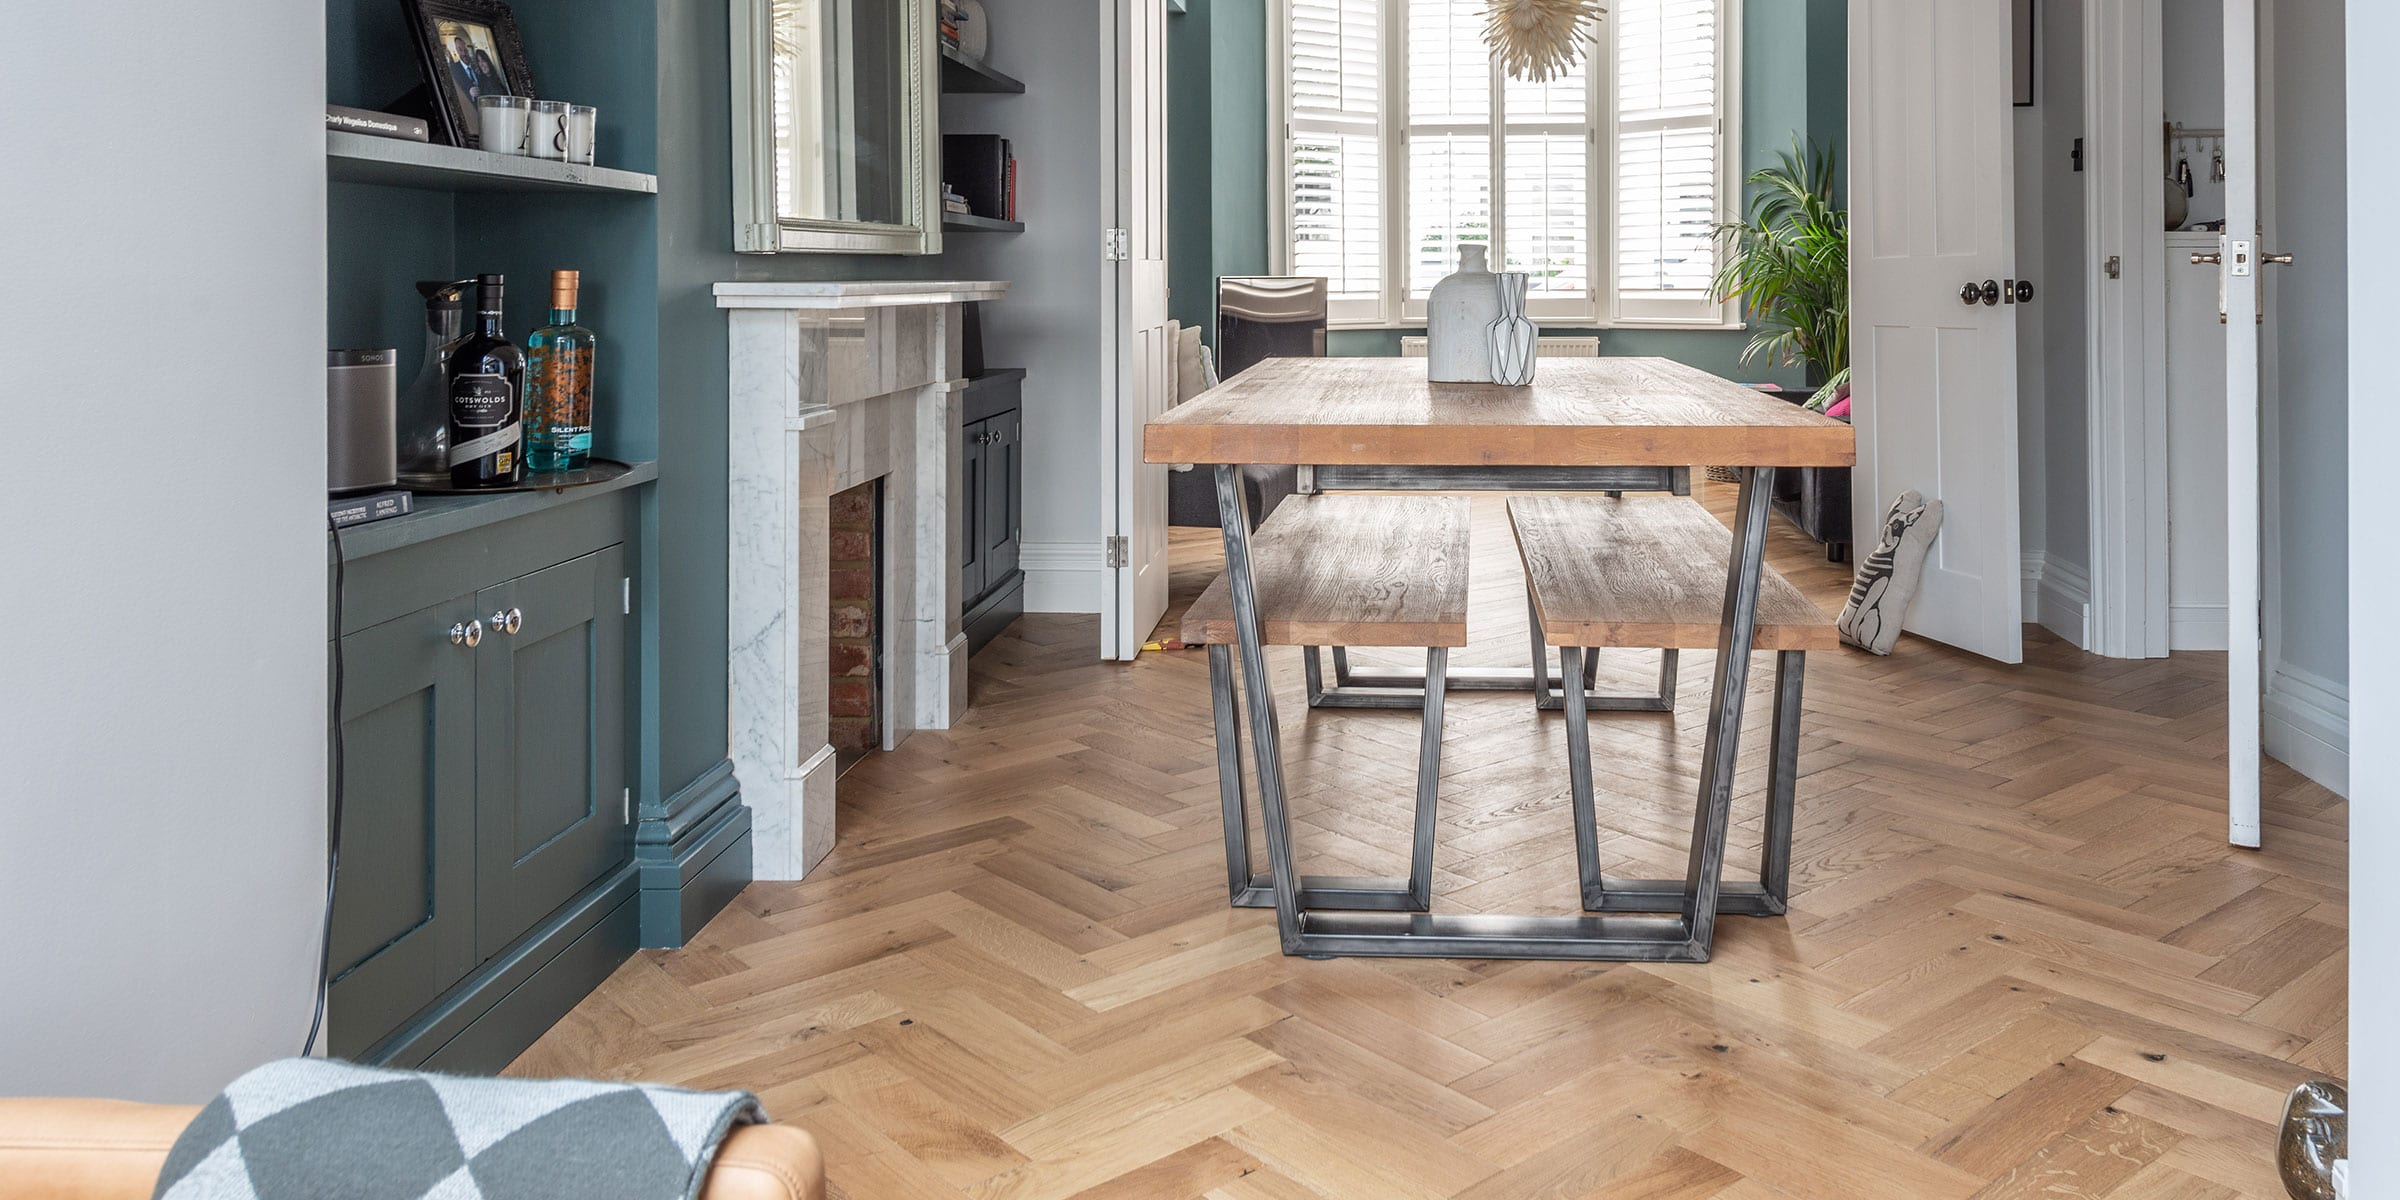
{"x":1650,"y":573}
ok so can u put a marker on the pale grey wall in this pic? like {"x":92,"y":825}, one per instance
{"x":2308,"y":309}
{"x":162,"y":630}
{"x":1052,"y":321}
{"x":2374,"y":426}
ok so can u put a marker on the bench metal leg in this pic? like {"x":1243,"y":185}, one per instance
{"x":1229,"y":770}
{"x":1783,"y":779}
{"x":1546,"y":696}
{"x":1247,"y":887}
{"x":1770,"y":895}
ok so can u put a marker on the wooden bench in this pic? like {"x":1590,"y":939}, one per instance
{"x":1342,"y":571}
{"x":1650,"y":573}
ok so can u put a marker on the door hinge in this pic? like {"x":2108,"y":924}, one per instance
{"x":1116,"y":245}
{"x":2115,"y":266}
{"x":1120,"y":551}
{"x":627,"y":595}
{"x":627,"y":810}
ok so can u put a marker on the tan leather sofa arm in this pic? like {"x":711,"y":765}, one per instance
{"x":112,"y":1150}
{"x":767,"y":1162}
{"x":85,"y":1149}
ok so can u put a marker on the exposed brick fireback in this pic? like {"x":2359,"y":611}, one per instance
{"x":853,"y":583}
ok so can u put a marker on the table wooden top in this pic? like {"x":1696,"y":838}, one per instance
{"x":1615,"y":412}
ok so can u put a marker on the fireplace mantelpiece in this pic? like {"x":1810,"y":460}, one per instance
{"x":832,"y":385}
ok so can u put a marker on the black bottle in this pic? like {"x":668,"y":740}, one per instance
{"x":487,"y":399}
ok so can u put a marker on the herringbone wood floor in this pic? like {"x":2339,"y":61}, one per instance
{"x":2022,"y":960}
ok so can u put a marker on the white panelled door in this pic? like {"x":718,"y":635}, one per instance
{"x":1931,"y":185}
{"x":1141,"y":350}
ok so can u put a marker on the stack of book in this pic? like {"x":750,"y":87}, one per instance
{"x":343,"y":512}
{"x":949,"y":10}
{"x":980,"y":169}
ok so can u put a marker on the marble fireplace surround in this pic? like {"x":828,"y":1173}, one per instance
{"x":833,"y":385}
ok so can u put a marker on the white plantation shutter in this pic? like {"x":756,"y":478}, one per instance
{"x":1335,"y":148}
{"x":1669,"y":153}
{"x":1404,"y":142}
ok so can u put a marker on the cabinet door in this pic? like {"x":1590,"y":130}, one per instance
{"x":550,"y":743}
{"x":973,"y":573}
{"x":404,"y":901}
{"x":1003,"y":495}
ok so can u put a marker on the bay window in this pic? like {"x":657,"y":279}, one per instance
{"x":1402,"y":142}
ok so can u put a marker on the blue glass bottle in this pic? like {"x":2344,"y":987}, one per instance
{"x":560,"y":357}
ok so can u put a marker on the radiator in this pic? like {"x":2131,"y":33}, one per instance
{"x":1549,"y":347}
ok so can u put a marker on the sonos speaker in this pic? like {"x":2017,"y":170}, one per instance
{"x":361,"y":447}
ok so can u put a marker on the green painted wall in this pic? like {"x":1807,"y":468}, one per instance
{"x":1794,"y":60}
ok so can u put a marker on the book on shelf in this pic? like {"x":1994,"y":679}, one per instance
{"x":376,"y":124}
{"x":346,"y":511}
{"x":978,"y":167}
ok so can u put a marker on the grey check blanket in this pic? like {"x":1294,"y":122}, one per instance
{"x":311,"y":1128}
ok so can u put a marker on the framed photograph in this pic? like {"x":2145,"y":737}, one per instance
{"x":467,"y":48}
{"x":2026,"y":47}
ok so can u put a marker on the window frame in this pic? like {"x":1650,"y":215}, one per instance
{"x":1393,"y":308}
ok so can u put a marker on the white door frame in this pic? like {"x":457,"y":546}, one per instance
{"x":2244,"y":682}
{"x":2123,"y":60}
{"x":2124,"y":68}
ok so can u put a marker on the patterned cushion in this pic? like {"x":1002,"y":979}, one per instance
{"x":304,"y":1129}
{"x":1887,"y":579}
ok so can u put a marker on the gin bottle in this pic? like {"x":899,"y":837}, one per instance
{"x":559,"y":382}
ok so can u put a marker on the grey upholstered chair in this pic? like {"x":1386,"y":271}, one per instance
{"x":1258,"y":317}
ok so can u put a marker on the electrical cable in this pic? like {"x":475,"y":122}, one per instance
{"x":333,"y":822}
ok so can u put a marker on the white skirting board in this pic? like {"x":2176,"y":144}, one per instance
{"x":2058,"y":597}
{"x":2307,"y":725}
{"x":1063,"y":577}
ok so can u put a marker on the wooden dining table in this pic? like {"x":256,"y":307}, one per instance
{"x":1584,"y":425}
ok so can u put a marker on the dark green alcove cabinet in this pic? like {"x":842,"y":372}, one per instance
{"x":521,"y":818}
{"x":485,"y":744}
{"x":992,"y":486}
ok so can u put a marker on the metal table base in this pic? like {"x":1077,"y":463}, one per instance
{"x":1310,"y":928}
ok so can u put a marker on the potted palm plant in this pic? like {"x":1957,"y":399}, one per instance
{"x":1788,"y":263}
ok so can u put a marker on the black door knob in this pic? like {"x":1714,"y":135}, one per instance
{"x":1987,"y":292}
{"x":2024,"y":291}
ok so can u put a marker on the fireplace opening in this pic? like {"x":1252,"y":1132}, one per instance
{"x":855,"y":663}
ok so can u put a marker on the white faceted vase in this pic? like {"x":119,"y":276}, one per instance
{"x":1458,"y":318}
{"x":1514,"y":335}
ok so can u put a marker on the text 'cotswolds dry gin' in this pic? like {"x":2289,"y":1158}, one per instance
{"x":558,"y":381}
{"x":487,"y":399}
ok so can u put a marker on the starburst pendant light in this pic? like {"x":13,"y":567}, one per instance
{"x":1539,"y":39}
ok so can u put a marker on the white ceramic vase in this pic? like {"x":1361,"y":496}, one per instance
{"x":1513,"y":336}
{"x":1458,"y":320}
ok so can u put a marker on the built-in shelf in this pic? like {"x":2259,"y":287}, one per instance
{"x":970,"y":223}
{"x":961,"y":74}
{"x":440,"y":515}
{"x":395,"y":162}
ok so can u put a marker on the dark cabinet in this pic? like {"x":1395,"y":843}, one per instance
{"x":404,"y":905}
{"x":552,"y":810}
{"x":484,"y":763}
{"x":992,"y":490}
